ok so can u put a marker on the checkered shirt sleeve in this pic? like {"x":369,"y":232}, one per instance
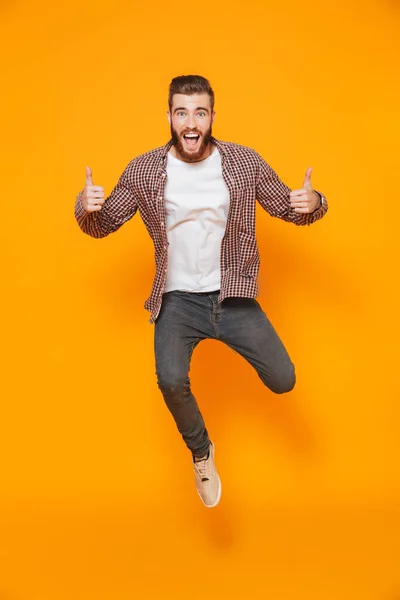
{"x":273,"y":196}
{"x":118,"y":208}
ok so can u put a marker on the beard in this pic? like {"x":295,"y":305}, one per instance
{"x":195,"y":155}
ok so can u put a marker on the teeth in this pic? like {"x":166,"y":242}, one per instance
{"x":191,"y":135}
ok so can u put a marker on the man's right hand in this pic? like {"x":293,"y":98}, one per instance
{"x":93,"y":195}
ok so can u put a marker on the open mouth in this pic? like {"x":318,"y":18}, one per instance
{"x":191,"y":139}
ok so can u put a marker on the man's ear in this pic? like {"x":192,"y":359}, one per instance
{"x":213,"y":115}
{"x":169,"y":116}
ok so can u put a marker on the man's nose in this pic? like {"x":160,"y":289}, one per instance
{"x":191,"y":122}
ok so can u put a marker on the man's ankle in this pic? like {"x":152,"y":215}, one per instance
{"x":200,"y":458}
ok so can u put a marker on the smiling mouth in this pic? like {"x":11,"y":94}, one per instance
{"x":191,"y":139}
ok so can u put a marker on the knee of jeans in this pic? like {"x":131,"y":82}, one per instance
{"x":173,"y":386}
{"x":285,"y":382}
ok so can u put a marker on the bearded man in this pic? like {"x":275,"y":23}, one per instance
{"x":197,"y":197}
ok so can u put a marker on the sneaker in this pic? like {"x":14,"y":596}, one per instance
{"x":208,"y":483}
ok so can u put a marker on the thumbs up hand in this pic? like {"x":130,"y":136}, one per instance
{"x":93,"y":195}
{"x":305,"y":200}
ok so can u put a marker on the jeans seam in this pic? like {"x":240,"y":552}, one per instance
{"x":215,"y":312}
{"x":193,"y":344}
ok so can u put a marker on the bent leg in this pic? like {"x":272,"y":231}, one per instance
{"x":246,"y":328}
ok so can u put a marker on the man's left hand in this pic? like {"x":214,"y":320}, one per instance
{"x":305,"y":200}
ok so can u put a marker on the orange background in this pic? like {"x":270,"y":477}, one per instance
{"x":97,"y":497}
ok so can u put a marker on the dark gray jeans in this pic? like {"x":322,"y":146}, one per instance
{"x":187,"y":318}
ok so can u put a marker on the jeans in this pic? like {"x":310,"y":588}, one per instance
{"x":185,"y":319}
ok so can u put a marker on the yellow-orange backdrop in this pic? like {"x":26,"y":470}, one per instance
{"x":97,"y":499}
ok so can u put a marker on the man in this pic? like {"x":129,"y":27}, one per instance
{"x":197,"y":198}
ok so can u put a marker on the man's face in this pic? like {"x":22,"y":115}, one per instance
{"x":191,"y":119}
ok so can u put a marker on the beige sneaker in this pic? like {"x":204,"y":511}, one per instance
{"x":208,"y":483}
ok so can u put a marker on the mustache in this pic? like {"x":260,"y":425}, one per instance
{"x":191,"y":131}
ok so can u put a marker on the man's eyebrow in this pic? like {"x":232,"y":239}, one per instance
{"x":198,"y":108}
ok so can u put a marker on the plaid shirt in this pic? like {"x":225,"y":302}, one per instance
{"x":247,"y":176}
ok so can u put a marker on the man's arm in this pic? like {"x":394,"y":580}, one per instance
{"x":98,"y":216}
{"x":301,"y":207}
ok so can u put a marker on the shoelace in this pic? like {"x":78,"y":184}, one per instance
{"x":204,"y":469}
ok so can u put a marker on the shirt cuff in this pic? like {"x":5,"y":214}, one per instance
{"x":80,"y":212}
{"x":322,"y":201}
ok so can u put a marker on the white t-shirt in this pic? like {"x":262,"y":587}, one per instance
{"x":196,"y":206}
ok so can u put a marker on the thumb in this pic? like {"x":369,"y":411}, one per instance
{"x":89,"y":180}
{"x":307,"y":179}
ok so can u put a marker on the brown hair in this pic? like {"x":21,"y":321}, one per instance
{"x":188,"y":85}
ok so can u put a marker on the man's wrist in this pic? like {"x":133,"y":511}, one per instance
{"x":320,"y":200}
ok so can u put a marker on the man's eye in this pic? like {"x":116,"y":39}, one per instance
{"x":181,"y":114}
{"x":201,"y":114}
